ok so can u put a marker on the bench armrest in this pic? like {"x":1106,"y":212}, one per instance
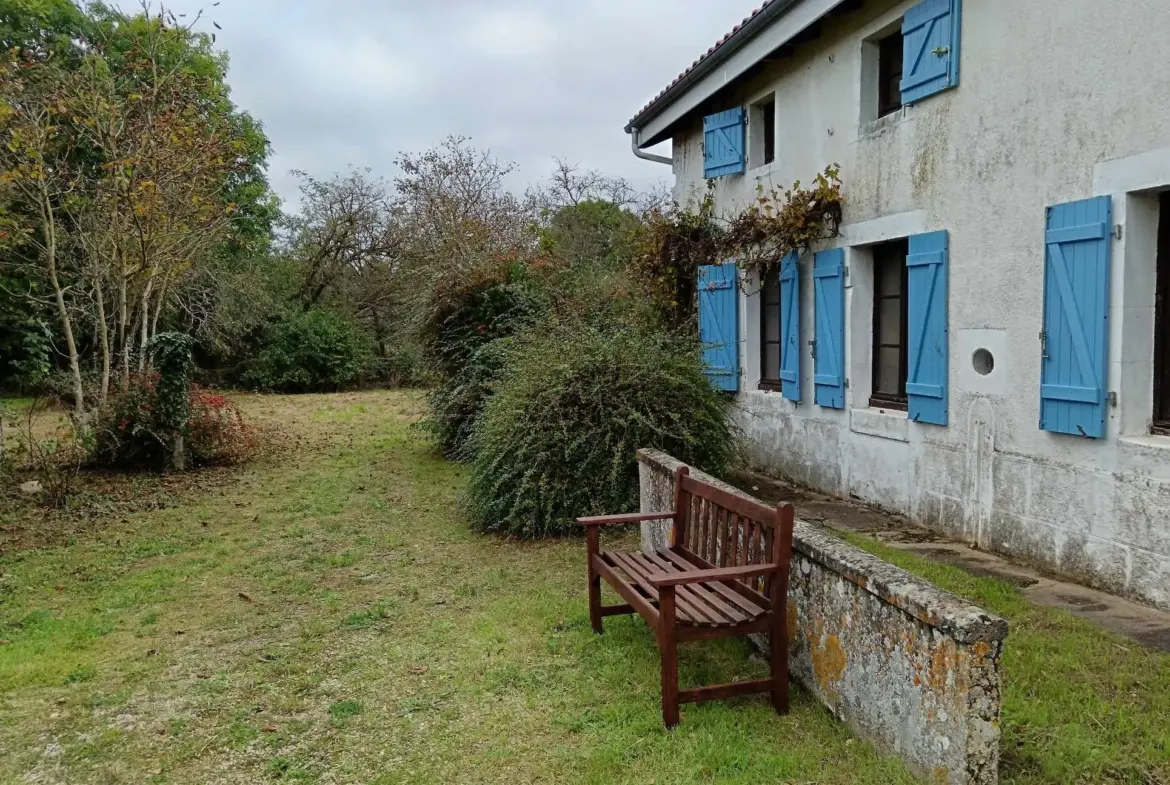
{"x":662,"y":579}
{"x":636,"y":517}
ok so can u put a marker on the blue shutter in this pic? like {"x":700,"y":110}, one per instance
{"x":719,"y":324}
{"x":829,"y":346}
{"x":926,"y":317}
{"x":930,"y":48}
{"x":790,"y":327}
{"x":723,"y":143}
{"x":1076,"y":318}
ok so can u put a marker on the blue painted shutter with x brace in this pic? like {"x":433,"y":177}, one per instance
{"x":829,"y":342}
{"x":719,"y":324}
{"x":790,"y":327}
{"x":1074,"y":343}
{"x":930,"y":48}
{"x":723,"y":143}
{"x":926,"y":318}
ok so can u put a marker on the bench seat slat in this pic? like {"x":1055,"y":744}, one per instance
{"x":710,"y":604}
{"x":638,"y":577}
{"x":690,"y":609}
{"x":751,"y":602}
{"x":728,"y":613}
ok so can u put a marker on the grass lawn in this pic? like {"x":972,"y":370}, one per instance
{"x":325,"y":616}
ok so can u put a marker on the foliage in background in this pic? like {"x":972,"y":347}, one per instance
{"x":313,"y":351}
{"x":457,"y":401}
{"x":577,"y":399}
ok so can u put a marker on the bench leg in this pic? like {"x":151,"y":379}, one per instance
{"x":668,"y":644}
{"x":592,"y":548}
{"x":778,"y":658}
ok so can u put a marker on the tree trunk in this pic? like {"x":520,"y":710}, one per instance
{"x":178,"y":452}
{"x":144,"y":324}
{"x":123,"y":318}
{"x":49,"y":228}
{"x":158,"y":307}
{"x":103,"y":330}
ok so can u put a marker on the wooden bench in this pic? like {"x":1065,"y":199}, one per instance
{"x":725,"y":574}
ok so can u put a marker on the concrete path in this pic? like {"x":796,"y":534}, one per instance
{"x":1143,"y":624}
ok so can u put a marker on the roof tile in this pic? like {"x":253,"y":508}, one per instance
{"x":708,"y":53}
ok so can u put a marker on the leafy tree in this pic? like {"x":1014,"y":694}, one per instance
{"x":129,"y":177}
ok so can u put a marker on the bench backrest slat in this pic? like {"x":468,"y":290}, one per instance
{"x":727,"y":530}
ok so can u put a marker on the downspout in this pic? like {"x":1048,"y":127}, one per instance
{"x":635,"y":140}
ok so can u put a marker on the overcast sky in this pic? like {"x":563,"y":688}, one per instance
{"x":341,"y":82}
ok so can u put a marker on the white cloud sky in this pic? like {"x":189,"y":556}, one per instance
{"x":354,"y":82}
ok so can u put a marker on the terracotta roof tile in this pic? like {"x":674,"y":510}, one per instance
{"x":718,"y":44}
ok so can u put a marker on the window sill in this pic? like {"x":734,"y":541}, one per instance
{"x":1151,"y":441}
{"x":765,"y":171}
{"x":882,"y":423}
{"x":875,"y":127}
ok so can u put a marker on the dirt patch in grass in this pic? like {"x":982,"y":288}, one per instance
{"x":324,"y":615}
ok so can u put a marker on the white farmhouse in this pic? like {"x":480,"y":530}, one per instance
{"x":985,"y":347}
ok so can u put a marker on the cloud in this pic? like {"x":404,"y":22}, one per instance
{"x":510,"y":33}
{"x":354,"y":82}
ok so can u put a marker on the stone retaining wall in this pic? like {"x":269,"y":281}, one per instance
{"x":907,"y":666}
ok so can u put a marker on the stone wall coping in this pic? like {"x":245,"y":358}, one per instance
{"x":947,"y":613}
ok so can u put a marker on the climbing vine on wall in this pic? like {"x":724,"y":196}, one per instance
{"x":678,"y":240}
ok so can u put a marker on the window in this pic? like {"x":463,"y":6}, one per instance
{"x":1162,"y":321}
{"x":889,"y":325}
{"x":769,"y":112}
{"x":889,"y":75}
{"x":770,"y":330}
{"x":762,"y":130}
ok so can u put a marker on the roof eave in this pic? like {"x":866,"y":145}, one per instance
{"x":723,"y":51}
{"x":775,"y":24}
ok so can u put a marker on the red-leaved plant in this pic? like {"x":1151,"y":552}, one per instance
{"x":129,"y":435}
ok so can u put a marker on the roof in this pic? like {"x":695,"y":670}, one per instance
{"x":723,"y":48}
{"x":771,"y":27}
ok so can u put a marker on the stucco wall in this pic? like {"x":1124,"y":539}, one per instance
{"x":909,"y":667}
{"x":1057,"y":102}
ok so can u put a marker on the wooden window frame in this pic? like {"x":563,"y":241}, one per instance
{"x":774,"y":385}
{"x":889,"y":68}
{"x":1161,"y":401}
{"x":877,"y":399}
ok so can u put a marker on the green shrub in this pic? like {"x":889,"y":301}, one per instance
{"x":496,"y":305}
{"x":316,"y":351}
{"x":456,"y":403}
{"x":558,"y":438}
{"x":465,"y":347}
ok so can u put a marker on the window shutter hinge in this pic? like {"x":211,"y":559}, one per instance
{"x":813,"y":344}
{"x":846,"y":384}
{"x":1113,"y":399}
{"x":1117,"y":231}
{"x":1043,"y":344}
{"x":939,"y":51}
